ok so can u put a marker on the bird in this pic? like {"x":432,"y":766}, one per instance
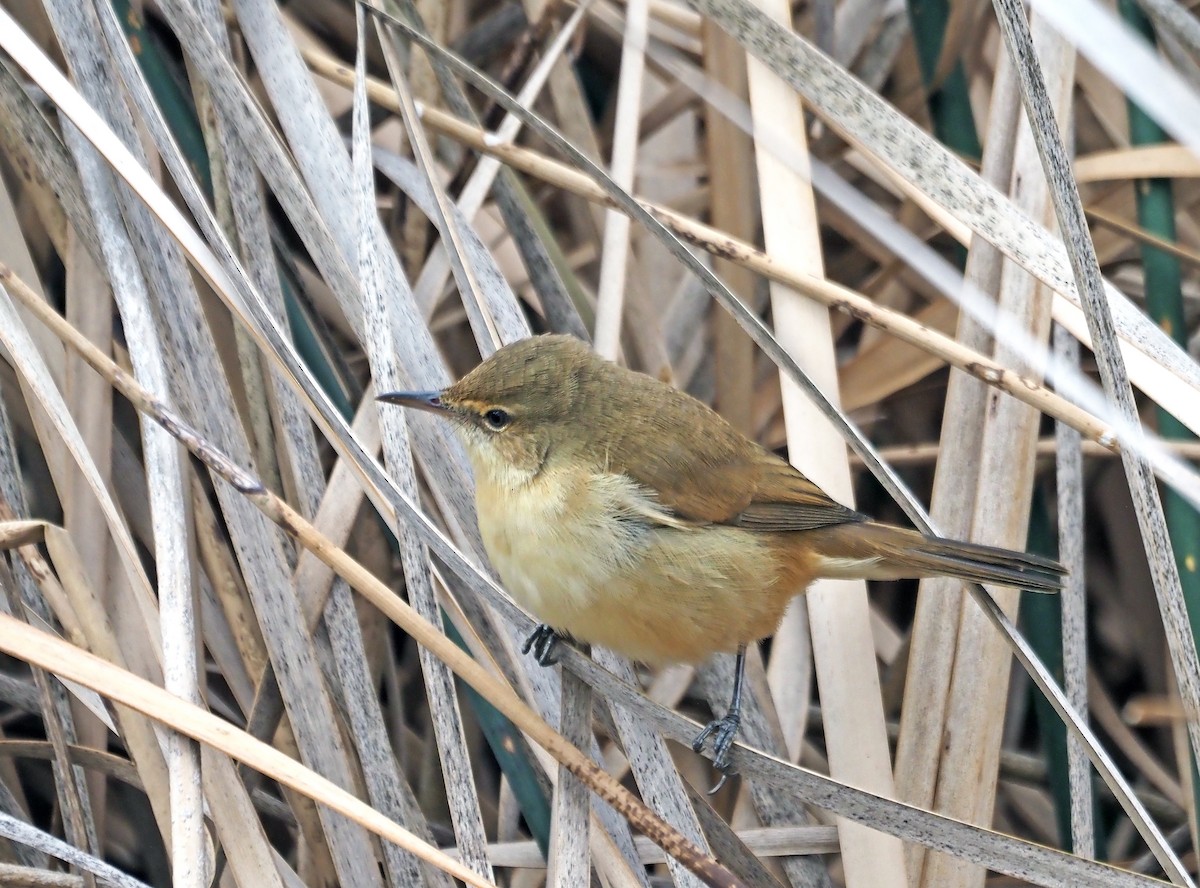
{"x":620,"y":511}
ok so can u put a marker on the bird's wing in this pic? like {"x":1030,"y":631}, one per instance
{"x":786,"y":500}
{"x":706,"y":484}
{"x":715,"y":476}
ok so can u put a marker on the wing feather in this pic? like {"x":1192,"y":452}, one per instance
{"x":717,"y":476}
{"x":786,"y":500}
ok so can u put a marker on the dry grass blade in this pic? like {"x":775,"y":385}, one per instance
{"x":827,"y":292}
{"x":1178,"y":20}
{"x":474,"y":192}
{"x":1006,"y":462}
{"x":614,"y":257}
{"x":842,"y":646}
{"x":258,"y":547}
{"x":16,"y":831}
{"x":1069,"y":465}
{"x":169,"y":501}
{"x":17,"y":533}
{"x":568,"y":860}
{"x":321,"y":737}
{"x":651,"y":763}
{"x":772,"y":841}
{"x":1029,"y":861}
{"x":497,"y":302}
{"x":474,"y":297}
{"x":944,"y":179}
{"x":1130,"y":63}
{"x":753,"y":325}
{"x":230,"y":202}
{"x":992,"y":850}
{"x":65,"y":660}
{"x":1147,"y":502}
{"x":498,"y":693}
{"x":380,"y":324}
{"x":906,"y":329}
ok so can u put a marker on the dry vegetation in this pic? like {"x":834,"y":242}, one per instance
{"x":308,"y":572}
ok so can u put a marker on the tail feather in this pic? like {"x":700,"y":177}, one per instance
{"x":879,"y":551}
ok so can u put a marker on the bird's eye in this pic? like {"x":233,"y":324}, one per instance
{"x":497,"y":419}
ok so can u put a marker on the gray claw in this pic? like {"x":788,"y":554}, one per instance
{"x":542,"y":641}
{"x":724,"y":732}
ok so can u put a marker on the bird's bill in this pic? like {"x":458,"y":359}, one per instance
{"x":431,"y":401}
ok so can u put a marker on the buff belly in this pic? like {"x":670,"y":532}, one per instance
{"x":580,"y":555}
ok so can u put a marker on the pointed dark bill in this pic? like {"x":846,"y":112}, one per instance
{"x":431,"y":401}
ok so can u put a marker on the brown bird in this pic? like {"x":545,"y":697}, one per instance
{"x":623,"y":512}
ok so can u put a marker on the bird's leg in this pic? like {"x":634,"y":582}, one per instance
{"x":724,"y":730}
{"x":542,"y":641}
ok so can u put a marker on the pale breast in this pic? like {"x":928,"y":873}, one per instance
{"x":561,"y":540}
{"x":594,"y":556}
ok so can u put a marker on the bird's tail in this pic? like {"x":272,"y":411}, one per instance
{"x":872,"y":551}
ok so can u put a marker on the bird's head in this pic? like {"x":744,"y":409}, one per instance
{"x":525,"y":402}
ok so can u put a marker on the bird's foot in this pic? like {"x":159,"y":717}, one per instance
{"x":723,"y":732}
{"x":543,"y":641}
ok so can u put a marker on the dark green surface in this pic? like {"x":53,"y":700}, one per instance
{"x":1164,"y":303}
{"x":950,"y":100}
{"x":1041,"y":623}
